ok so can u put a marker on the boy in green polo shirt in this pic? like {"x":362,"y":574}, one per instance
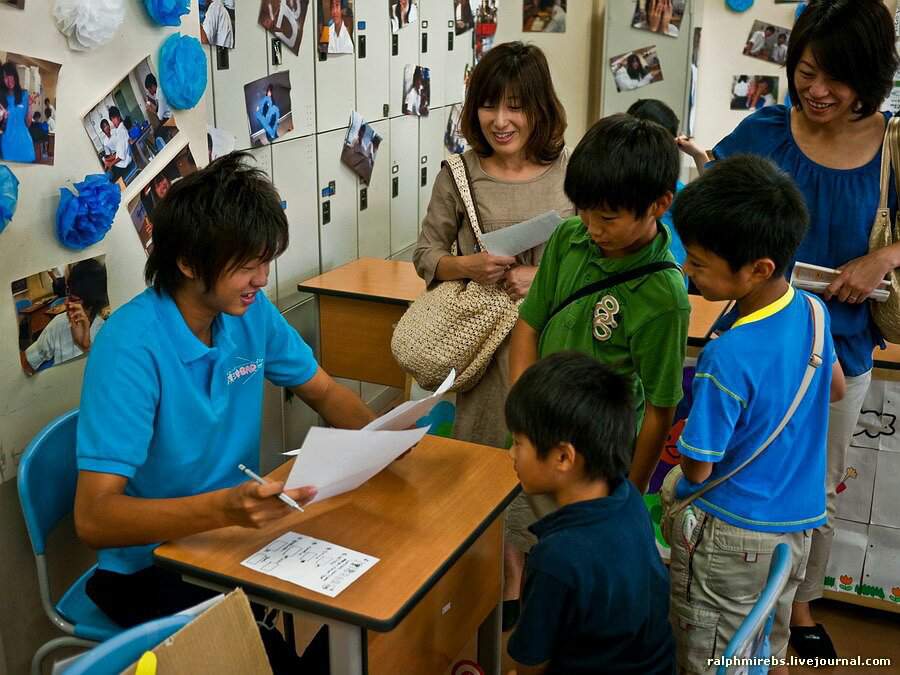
{"x":621,"y":178}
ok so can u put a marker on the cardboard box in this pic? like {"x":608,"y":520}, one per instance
{"x":223,"y":640}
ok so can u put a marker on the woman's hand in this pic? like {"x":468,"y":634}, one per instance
{"x":654,"y":14}
{"x":487,"y":269}
{"x":79,"y":324}
{"x":859,"y":277}
{"x":517,"y":281}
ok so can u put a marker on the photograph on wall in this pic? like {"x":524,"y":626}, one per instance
{"x":336,"y":26}
{"x":636,"y":69}
{"x":659,"y":16}
{"x":59,"y":313}
{"x":544,"y":16}
{"x":268,"y":102}
{"x":454,"y":141}
{"x":285,"y":20}
{"x":464,"y":15}
{"x":768,"y":42}
{"x":360,"y":147}
{"x":416,"y":90}
{"x":27,"y":109}
{"x":752,"y":92}
{"x":19,"y":4}
{"x":217,"y":22}
{"x":141,"y":207}
{"x":219,"y":142}
{"x":485,"y":27}
{"x":131,"y":125}
{"x":403,"y":13}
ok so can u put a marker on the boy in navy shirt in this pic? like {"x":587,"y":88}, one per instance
{"x":741,"y":223}
{"x":596,"y":593}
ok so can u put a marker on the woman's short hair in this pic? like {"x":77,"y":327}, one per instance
{"x":852,"y":41}
{"x":519,"y":72}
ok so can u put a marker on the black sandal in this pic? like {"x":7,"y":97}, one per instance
{"x":812,"y":642}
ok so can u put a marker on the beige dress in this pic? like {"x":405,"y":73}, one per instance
{"x":479,"y":411}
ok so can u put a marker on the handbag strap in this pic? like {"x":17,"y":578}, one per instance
{"x":461,"y":177}
{"x":814,"y":362}
{"x":613,"y":280}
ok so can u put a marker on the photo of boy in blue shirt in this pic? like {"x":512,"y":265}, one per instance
{"x":741,"y":223}
{"x":595,"y":598}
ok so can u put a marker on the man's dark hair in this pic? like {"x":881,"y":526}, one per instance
{"x":569,"y":397}
{"x":656,"y":111}
{"x":87,"y":281}
{"x":150,"y":81}
{"x":215,"y":220}
{"x":742,"y":209}
{"x":853,"y":42}
{"x":114,"y":112}
{"x":104,"y":122}
{"x":622,"y":163}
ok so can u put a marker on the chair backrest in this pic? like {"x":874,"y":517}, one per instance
{"x":119,"y":652}
{"x":751,"y":640}
{"x":47,"y":477}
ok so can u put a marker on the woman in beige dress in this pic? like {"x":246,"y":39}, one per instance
{"x":514,"y":123}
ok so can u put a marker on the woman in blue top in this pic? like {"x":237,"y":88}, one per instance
{"x":15,"y":142}
{"x":840,"y":66}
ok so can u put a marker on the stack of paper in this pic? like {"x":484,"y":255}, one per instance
{"x":816,"y":279}
{"x":523,"y":236}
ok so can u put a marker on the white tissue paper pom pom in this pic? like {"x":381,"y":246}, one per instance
{"x":88,"y":23}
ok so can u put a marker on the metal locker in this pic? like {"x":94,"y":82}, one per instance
{"x":337,"y":196}
{"x":404,"y":51}
{"x":436,"y":19}
{"x":404,"y":182}
{"x":245,"y":63}
{"x":294,"y":172}
{"x":299,"y":417}
{"x":335,"y":83}
{"x":460,"y":58}
{"x":302,"y":68}
{"x":373,"y":201}
{"x":431,"y":154}
{"x":373,"y":49}
{"x":262,"y":157}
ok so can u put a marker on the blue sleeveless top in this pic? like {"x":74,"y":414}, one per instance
{"x":842,"y":205}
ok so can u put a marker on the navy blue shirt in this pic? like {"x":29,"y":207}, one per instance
{"x":596,"y":596}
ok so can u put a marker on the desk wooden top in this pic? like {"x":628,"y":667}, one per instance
{"x":418,"y":516}
{"x":390,"y":281}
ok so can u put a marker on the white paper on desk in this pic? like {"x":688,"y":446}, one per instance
{"x":312,"y":563}
{"x":523,"y":236}
{"x":408,"y":413}
{"x":339,"y":460}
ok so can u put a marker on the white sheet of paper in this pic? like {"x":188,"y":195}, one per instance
{"x":339,"y":460}
{"x":523,"y":236}
{"x":816,"y":279}
{"x":312,"y":563}
{"x":408,"y":413}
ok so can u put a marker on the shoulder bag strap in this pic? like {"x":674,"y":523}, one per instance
{"x":613,"y":280}
{"x":891,"y":146}
{"x":814,"y":362}
{"x":461,"y":178}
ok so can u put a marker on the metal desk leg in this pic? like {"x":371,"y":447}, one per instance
{"x":346,"y":645}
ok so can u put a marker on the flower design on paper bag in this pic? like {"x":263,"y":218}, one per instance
{"x":851,"y":473}
{"x":895,"y":594}
{"x":846,"y":583}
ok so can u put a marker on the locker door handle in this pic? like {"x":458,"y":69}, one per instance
{"x":424,"y":43}
{"x":395,"y":44}
{"x":450,"y":41}
{"x":424,"y":176}
{"x":326,"y":212}
{"x":395,"y":187}
{"x":362,"y":46}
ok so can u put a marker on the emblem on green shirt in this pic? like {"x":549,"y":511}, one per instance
{"x":605,"y":317}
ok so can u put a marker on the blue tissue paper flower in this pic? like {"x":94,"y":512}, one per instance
{"x":83,"y":219}
{"x":182,"y":70}
{"x":9,"y":195}
{"x":167,"y":12}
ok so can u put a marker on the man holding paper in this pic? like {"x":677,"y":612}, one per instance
{"x":172,"y":395}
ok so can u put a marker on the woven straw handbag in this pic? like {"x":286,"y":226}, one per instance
{"x":884,"y":233}
{"x":457,"y":324}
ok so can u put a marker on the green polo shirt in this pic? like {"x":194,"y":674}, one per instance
{"x":642,"y":324}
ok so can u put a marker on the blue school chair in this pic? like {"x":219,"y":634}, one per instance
{"x":46,"y":480}
{"x":119,"y":652}
{"x":752,"y":637}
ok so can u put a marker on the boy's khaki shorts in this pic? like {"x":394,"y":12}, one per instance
{"x":717,"y":573}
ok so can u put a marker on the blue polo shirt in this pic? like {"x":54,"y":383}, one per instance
{"x":744,"y":383}
{"x":174,"y":416}
{"x":596,"y":596}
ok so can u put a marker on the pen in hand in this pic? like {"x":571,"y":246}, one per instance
{"x":283,"y":497}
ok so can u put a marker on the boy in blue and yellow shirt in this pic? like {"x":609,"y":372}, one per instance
{"x":741,"y":224}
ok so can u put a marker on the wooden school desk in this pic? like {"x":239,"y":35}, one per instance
{"x":434,"y":520}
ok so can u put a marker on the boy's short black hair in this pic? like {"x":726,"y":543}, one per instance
{"x":214,"y":221}
{"x":150,"y":81}
{"x":114,"y":112}
{"x":569,"y":397}
{"x":622,"y":163}
{"x":742,"y":209}
{"x":656,"y":111}
{"x":87,"y":281}
{"x":853,"y":42}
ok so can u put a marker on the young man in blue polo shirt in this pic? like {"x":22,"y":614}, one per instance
{"x":595,"y":598}
{"x":172,"y":394}
{"x":741,"y":223}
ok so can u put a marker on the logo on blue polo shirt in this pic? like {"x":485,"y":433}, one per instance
{"x":245,"y":371}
